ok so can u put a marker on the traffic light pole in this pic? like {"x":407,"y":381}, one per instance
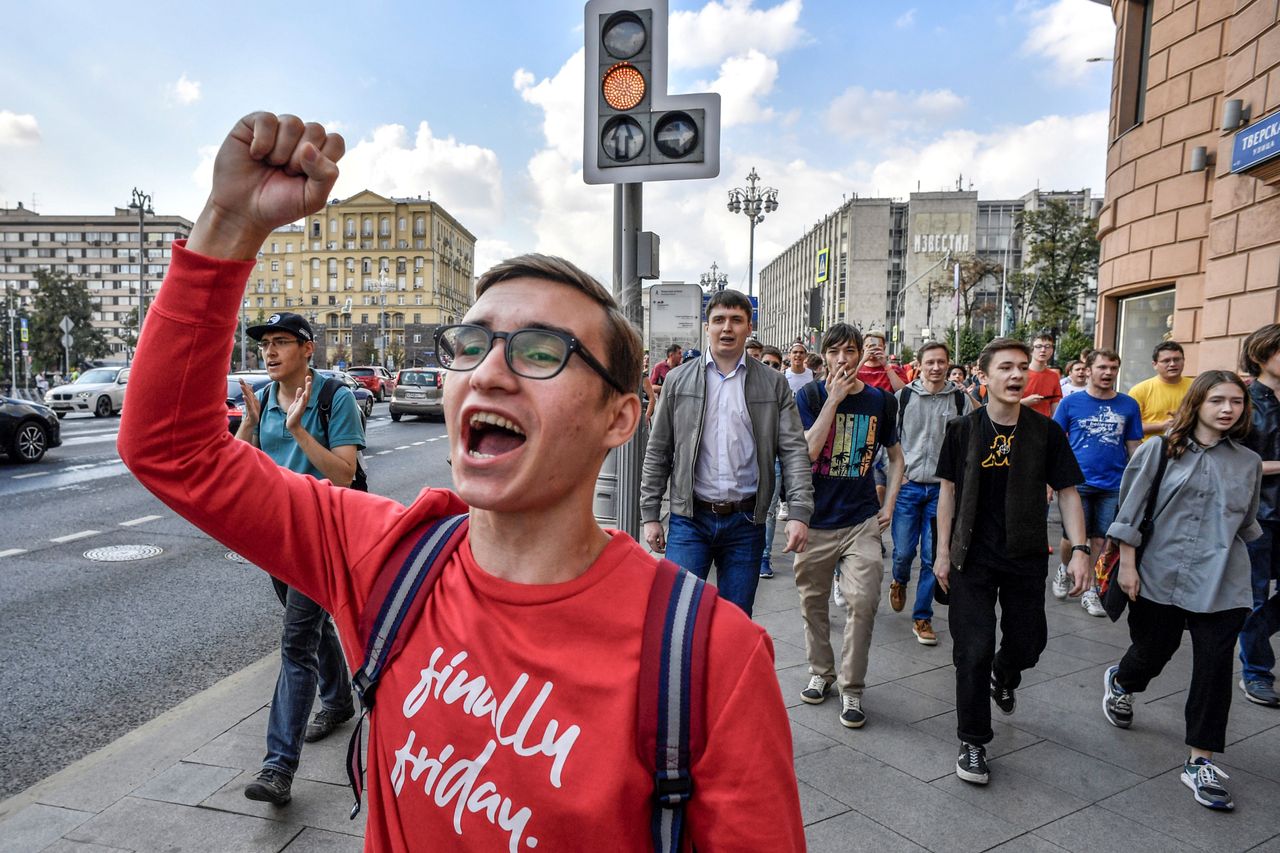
{"x":628,"y":208}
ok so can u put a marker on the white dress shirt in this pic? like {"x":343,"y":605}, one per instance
{"x":726,"y":465}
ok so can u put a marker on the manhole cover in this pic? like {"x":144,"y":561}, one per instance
{"x":236,"y":558}
{"x":123,"y":553}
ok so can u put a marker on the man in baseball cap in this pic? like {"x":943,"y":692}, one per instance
{"x":285,"y":321}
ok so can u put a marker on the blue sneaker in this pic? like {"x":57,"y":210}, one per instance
{"x":1204,"y":780}
{"x":1260,"y":693}
{"x":766,"y":571}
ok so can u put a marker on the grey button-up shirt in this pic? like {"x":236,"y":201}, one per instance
{"x":1206,"y":510}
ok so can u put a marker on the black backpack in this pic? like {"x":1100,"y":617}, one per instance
{"x":328,"y":388}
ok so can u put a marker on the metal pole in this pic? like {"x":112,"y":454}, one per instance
{"x":142,"y":266}
{"x":13,"y":352}
{"x":957,"y":287}
{"x":631,"y":454}
{"x":751,"y":258}
{"x":244,"y":344}
{"x":1004,"y":286}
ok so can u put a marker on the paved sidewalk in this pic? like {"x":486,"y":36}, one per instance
{"x":1062,"y":778}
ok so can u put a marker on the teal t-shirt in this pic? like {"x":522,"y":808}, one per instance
{"x":344,"y":427}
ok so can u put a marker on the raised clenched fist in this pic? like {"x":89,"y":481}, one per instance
{"x":271,"y":170}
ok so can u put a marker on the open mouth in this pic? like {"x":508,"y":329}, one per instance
{"x":490,"y":435}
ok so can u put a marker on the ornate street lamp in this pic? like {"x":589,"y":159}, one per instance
{"x":753,"y":202}
{"x":141,"y":203}
{"x":714,"y":280}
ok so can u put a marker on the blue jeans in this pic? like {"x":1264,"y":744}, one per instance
{"x":771,"y":519}
{"x":732,"y":541}
{"x":1256,"y":654}
{"x":309,"y":653}
{"x":913,"y":520}
{"x":1100,"y":507}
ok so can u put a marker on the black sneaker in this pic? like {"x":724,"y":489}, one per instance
{"x":1003,"y":696}
{"x":851,"y":716}
{"x":815,"y":692}
{"x":1205,"y":781}
{"x":272,"y":786}
{"x":324,"y":723}
{"x":971,"y":765}
{"x":1117,"y":704}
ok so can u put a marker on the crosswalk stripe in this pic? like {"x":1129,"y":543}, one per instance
{"x":71,"y":537}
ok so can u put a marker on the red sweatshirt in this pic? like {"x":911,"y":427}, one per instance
{"x":508,"y":722}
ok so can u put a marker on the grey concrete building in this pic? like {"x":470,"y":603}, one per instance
{"x":100,"y":251}
{"x":878,"y":263}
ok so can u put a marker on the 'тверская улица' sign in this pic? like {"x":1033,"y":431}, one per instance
{"x":1256,"y":144}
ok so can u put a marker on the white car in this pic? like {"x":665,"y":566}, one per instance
{"x":100,"y":390}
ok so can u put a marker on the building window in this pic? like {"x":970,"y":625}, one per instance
{"x":1142,"y":322}
{"x":275,"y":265}
{"x":1135,"y":49}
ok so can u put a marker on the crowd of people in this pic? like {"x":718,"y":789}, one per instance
{"x":488,"y":616}
{"x":961,"y":465}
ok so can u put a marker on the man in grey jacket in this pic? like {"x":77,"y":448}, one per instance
{"x":924,"y":407}
{"x":722,"y":421}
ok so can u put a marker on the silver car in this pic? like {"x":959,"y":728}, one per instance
{"x":419,"y":391}
{"x":100,"y":390}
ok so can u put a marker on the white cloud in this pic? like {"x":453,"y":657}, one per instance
{"x":1053,"y":152}
{"x":720,"y":30}
{"x":18,"y":128}
{"x":202,"y":175}
{"x":185,"y":91}
{"x":743,"y":81}
{"x":1068,"y":32}
{"x":878,"y":113}
{"x":560,"y":99}
{"x":465,"y":179}
{"x":490,"y":252}
{"x":906,"y":19}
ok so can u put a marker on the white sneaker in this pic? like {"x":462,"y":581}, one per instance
{"x":1061,"y":583}
{"x":782,"y":510}
{"x":1092,"y":604}
{"x":837,"y":596}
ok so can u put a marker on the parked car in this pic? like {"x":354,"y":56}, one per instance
{"x":419,"y":391}
{"x":364,"y":397}
{"x":27,"y":429}
{"x":100,"y":390}
{"x":377,"y":379}
{"x":235,"y":395}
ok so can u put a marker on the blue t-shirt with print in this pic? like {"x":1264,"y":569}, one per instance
{"x":844,"y":486}
{"x":1097,"y":430}
{"x":344,"y":427}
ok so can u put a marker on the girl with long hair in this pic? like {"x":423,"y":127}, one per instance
{"x":1193,"y":572}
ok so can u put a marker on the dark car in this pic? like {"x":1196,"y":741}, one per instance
{"x":376,"y":379}
{"x":364,"y":397}
{"x":27,"y":429}
{"x":419,"y":391}
{"x":235,"y":395}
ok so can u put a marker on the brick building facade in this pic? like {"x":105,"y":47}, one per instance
{"x":1190,"y":251}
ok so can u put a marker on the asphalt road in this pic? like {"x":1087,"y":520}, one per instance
{"x":94,"y":649}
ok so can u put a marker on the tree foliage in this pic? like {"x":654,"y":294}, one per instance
{"x":57,"y":296}
{"x":1060,"y":257}
{"x":975,"y":276}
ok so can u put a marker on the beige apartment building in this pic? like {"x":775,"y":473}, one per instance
{"x":362,"y":265}
{"x":102,"y":252}
{"x":1191,"y":227}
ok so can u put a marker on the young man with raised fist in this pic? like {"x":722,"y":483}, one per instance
{"x":508,"y":719}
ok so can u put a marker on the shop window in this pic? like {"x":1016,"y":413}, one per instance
{"x":1142,"y":322}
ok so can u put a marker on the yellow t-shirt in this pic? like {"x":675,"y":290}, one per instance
{"x":1158,"y":400}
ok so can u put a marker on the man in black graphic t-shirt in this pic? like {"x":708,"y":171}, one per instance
{"x":995,"y":465}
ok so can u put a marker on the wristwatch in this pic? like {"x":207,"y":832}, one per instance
{"x":1088,"y":552}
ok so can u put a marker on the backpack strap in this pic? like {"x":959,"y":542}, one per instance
{"x":906,"y":393}
{"x":671,"y":723}
{"x":328,"y":389}
{"x":958,"y":396}
{"x":394,"y":604}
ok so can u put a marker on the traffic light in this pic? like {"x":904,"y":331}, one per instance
{"x":634,"y":130}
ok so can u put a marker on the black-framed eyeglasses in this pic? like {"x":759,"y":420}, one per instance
{"x":531,"y":353}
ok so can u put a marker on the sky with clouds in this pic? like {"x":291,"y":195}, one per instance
{"x":480,"y":105}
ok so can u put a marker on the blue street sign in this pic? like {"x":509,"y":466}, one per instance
{"x":1257,"y":143}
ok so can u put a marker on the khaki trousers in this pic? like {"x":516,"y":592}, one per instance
{"x":856,"y":551}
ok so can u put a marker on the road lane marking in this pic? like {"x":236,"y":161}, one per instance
{"x":418,"y":443}
{"x":71,"y":537}
{"x":32,"y":474}
{"x":383,"y":452}
{"x":403,"y":447}
{"x":136,"y":521}
{"x":12,"y":552}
